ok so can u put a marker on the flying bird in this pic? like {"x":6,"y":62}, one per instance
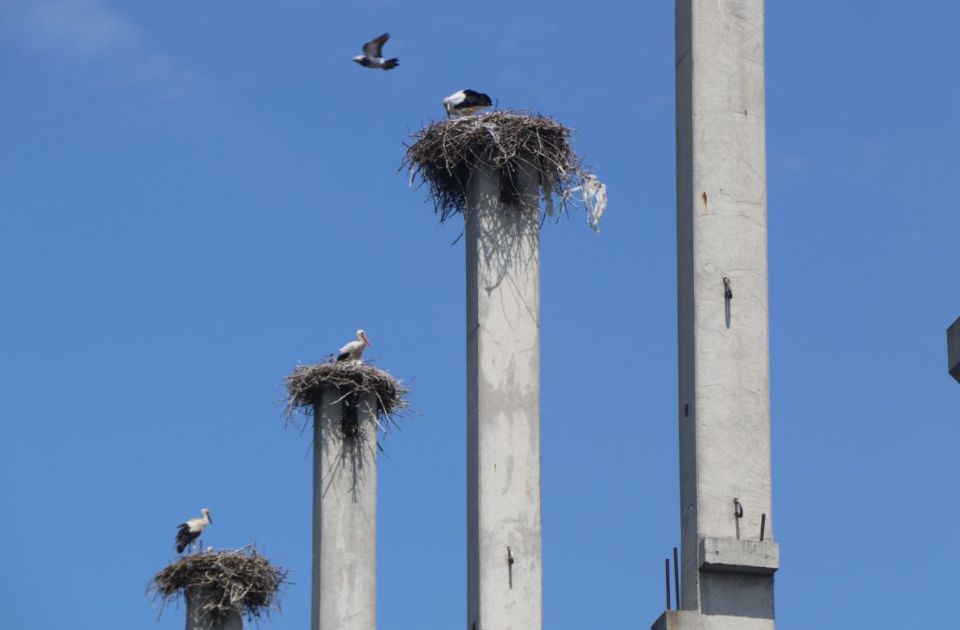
{"x":352,"y":351}
{"x":466,"y":102}
{"x":191,"y":530}
{"x":372,"y":56}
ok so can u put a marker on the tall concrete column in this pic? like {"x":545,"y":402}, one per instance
{"x":504,"y":578}
{"x":195,"y":598}
{"x":344,"y":513}
{"x":728,"y":553}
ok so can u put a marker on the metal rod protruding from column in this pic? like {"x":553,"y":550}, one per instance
{"x":666,"y":574}
{"x":676,"y":577}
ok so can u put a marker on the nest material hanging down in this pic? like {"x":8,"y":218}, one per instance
{"x":352,"y":379}
{"x":445,"y":153}
{"x":238,"y":580}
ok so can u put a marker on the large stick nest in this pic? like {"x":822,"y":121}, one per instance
{"x":352,"y":378}
{"x":446,"y":152}
{"x":234,"y":581}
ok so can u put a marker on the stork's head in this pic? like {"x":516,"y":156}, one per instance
{"x":362,"y":336}
{"x":358,"y":59}
{"x":206,"y":514}
{"x":448,"y":105}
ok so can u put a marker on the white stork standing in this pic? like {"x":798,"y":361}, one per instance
{"x":191,"y":530}
{"x":466,"y":102}
{"x":353,"y":350}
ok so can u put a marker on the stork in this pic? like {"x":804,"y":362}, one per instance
{"x":191,"y":530}
{"x":466,"y":102}
{"x":352,"y":351}
{"x":372,"y":56}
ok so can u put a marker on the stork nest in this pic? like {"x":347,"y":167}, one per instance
{"x":234,"y":581}
{"x":353,"y":379}
{"x":445,"y":153}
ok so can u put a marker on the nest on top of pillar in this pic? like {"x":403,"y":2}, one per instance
{"x":352,"y":379}
{"x":237,"y":581}
{"x":445,"y":154}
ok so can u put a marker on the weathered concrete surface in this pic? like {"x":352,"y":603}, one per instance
{"x":344,"y":517}
{"x":743,"y":556}
{"x":953,"y":349}
{"x":724,"y":402}
{"x":504,"y":576}
{"x":685,"y":620}
{"x":194,"y":597}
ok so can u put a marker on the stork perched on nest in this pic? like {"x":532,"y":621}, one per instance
{"x":466,"y":102}
{"x":353,"y":350}
{"x":189,"y":531}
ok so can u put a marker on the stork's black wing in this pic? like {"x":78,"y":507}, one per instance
{"x":185,"y":537}
{"x":475,"y":99}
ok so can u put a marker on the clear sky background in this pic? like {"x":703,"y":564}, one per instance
{"x":195,"y":196}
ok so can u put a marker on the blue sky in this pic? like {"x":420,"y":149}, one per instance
{"x":195,"y":196}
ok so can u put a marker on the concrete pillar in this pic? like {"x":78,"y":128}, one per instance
{"x":195,"y":598}
{"x":504,"y":576}
{"x":687,"y":620}
{"x":953,"y":349}
{"x":344,"y":514}
{"x":724,"y":393}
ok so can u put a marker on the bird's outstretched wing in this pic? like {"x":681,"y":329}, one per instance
{"x":374,"y":47}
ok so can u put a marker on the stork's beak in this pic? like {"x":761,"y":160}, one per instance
{"x":367,"y":340}
{"x":209,"y":518}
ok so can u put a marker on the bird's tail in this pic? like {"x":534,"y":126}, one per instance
{"x":390,"y":64}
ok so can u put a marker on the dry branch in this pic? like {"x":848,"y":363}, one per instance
{"x":238,"y":580}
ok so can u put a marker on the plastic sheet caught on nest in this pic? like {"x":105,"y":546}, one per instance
{"x":351,"y":378}
{"x":445,"y":153}
{"x":238,"y":580}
